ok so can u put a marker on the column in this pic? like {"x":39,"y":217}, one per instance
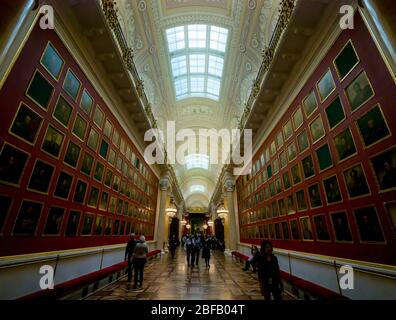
{"x":180,"y":217}
{"x":229,"y":188}
{"x":164,"y":185}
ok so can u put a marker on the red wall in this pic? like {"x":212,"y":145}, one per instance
{"x":385,"y":94}
{"x":11,"y":95}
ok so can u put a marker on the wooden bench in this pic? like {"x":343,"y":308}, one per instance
{"x":65,"y":288}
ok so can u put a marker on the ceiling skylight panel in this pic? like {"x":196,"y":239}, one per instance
{"x":176,"y":39}
{"x":197,"y":84}
{"x":197,"y":63}
{"x":218,"y":38}
{"x":197,"y":161}
{"x":179,"y":66}
{"x":197,"y":188}
{"x":181,"y":87}
{"x":213,"y":86}
{"x":197,"y":36}
{"x":216,"y":66}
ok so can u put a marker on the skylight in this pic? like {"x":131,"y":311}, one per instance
{"x":197,"y":188}
{"x":197,"y":60}
{"x":197,"y":161}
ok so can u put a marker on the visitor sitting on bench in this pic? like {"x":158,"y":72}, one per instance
{"x":251,"y":261}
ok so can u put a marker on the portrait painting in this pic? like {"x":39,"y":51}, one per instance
{"x":79,"y":194}
{"x":93,"y":139}
{"x":308,"y":167}
{"x":359,"y":91}
{"x":104,"y":147}
{"x":278,"y":185}
{"x":291,"y":207}
{"x":5,"y":206}
{"x":80,"y":127}
{"x":278,"y":232}
{"x":54,"y":221}
{"x":269,"y":171}
{"x":335,"y":113}
{"x":332,"y":190}
{"x":103,"y":201}
{"x":306,"y":229}
{"x":373,"y":126}
{"x":384,"y":166}
{"x":288,"y":130}
{"x":295,"y":232}
{"x":109,"y":226}
{"x":73,"y":222}
{"x":98,"y":117}
{"x":40,"y":90}
{"x":71,"y":85}
{"x":273,"y":148}
{"x":108,"y":178}
{"x":28,"y":218}
{"x":321,"y":228}
{"x":41,"y":177}
{"x":301,"y":201}
{"x":99,"y":170}
{"x":283,"y":159}
{"x":63,"y":111}
{"x":286,"y":180}
{"x":345,"y":145}
{"x":391,"y":210}
{"x":346,"y":60}
{"x":52,"y":61}
{"x":326,"y":85}
{"x":285,"y":230}
{"x":116,"y":183}
{"x":272,"y":231}
{"x":296,"y":174}
{"x":302,"y":141}
{"x":317,"y":129}
{"x":12,"y":164}
{"x":108,"y":127}
{"x":292,"y":151}
{"x":112,"y":204}
{"x":368,"y":225}
{"x":87,"y":164}
{"x":112,"y":157}
{"x":62,"y":189}
{"x":87,"y":224}
{"x":314,"y":196}
{"x":298,"y":118}
{"x":323,"y":155}
{"x":99,"y":225}
{"x":275,"y":166}
{"x":310,"y":104}
{"x":26,"y":124}
{"x":282,"y":207}
{"x":116,"y":138}
{"x":356,"y":182}
{"x":52,"y":142}
{"x":279,"y":139}
{"x":86,"y":103}
{"x":341,"y":227}
{"x":72,"y":154}
{"x":93,"y":197}
{"x":120,"y":203}
{"x":116,"y":229}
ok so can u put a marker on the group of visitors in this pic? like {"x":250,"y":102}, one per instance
{"x":136,"y":255}
{"x":193,"y":246}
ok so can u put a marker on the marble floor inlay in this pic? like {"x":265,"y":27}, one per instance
{"x":167,"y":279}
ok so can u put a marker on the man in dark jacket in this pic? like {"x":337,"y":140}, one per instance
{"x":130,"y":248}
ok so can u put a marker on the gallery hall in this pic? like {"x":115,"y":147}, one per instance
{"x":182,"y":150}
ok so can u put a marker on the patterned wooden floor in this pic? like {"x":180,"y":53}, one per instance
{"x":167,"y":279}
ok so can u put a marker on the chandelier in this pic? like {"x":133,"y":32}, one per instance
{"x":171,"y":210}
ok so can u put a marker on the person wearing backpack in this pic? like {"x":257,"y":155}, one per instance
{"x":139,"y":260}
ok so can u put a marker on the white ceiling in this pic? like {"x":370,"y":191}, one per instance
{"x":250,"y":24}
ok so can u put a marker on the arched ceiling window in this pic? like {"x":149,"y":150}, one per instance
{"x":196,"y":54}
{"x":200,"y":161}
{"x":197,"y":188}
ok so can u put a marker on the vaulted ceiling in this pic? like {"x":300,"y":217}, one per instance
{"x":249,"y":25}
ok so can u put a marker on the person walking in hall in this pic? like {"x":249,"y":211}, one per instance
{"x":206,"y":251}
{"x":173,"y":244}
{"x":139,"y":260}
{"x":197,"y":245}
{"x":269,"y":272}
{"x":188,"y":246}
{"x":130,"y":248}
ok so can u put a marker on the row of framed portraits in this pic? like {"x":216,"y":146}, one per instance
{"x":41,"y":91}
{"x":58,"y":223}
{"x":354,"y":177}
{"x":13,"y":162}
{"x":372,"y":127}
{"x":27,"y":124}
{"x":318,"y":228}
{"x":358,"y":93}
